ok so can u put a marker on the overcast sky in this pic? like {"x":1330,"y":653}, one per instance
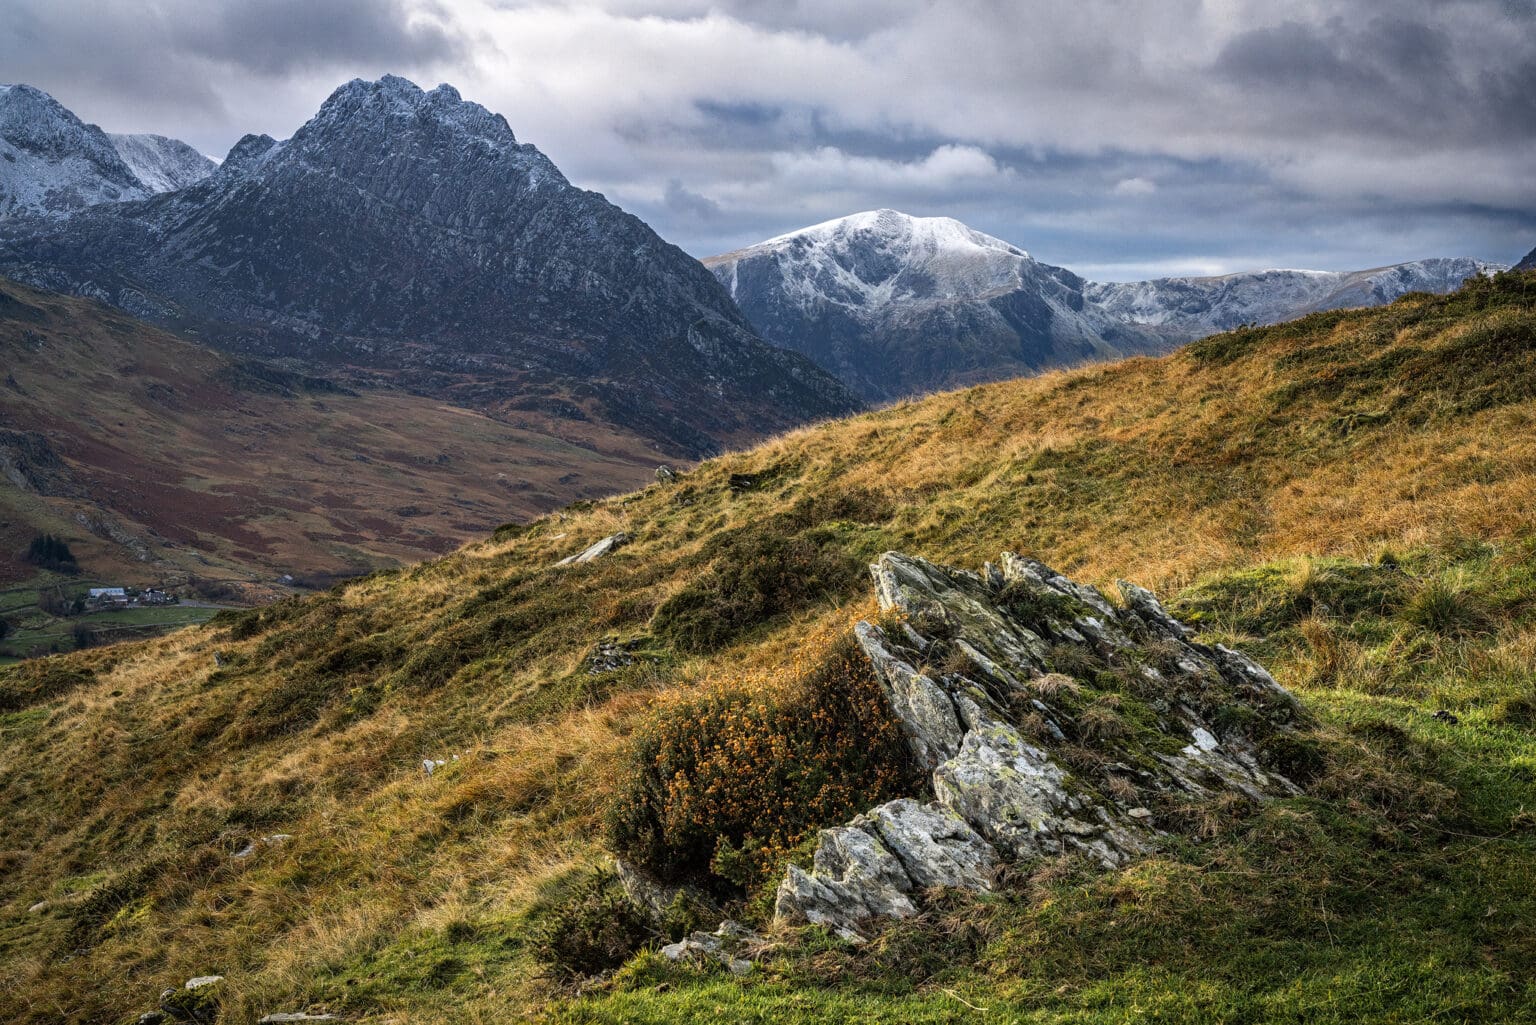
{"x":1120,"y":138}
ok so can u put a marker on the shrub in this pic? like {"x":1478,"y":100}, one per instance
{"x":590,"y":926}
{"x":721,"y":787}
{"x":756,"y":573}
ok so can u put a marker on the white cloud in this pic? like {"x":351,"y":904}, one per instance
{"x":1135,"y":187}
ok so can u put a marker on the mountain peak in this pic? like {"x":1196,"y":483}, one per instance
{"x":53,"y":162}
{"x":1528,"y":263}
{"x":902,"y":230}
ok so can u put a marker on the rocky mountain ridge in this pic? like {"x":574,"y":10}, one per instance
{"x":52,"y":163}
{"x":1190,"y":308}
{"x":409,"y":235}
{"x":895,"y":304}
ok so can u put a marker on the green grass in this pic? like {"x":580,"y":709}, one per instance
{"x":40,"y":631}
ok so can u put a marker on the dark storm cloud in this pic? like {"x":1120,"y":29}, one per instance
{"x":1119,"y":138}
{"x":687,"y":203}
{"x":272,"y":37}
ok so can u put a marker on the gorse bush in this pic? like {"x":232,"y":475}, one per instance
{"x":756,"y":573}
{"x":589,"y":926}
{"x":720,"y":788}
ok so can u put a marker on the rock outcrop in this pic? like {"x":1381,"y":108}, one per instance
{"x":1051,"y":722}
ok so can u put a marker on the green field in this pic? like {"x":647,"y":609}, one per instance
{"x":34,"y":631}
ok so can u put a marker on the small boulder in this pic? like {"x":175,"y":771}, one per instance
{"x":198,"y":1001}
{"x":733,"y":945}
{"x":597,"y":551}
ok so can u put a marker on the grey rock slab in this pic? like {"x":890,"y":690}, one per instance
{"x":935,"y":846}
{"x":597,"y":551}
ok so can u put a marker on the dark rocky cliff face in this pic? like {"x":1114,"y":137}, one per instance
{"x":1529,"y":263}
{"x":409,"y":233}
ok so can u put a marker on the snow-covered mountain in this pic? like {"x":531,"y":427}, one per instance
{"x":895,"y":304}
{"x":161,"y":164}
{"x":409,"y":235}
{"x":1189,"y":308}
{"x":52,"y":163}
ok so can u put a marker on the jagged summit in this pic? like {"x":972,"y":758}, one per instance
{"x":51,"y":162}
{"x":1528,"y":262}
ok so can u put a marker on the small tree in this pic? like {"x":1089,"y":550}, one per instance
{"x":49,"y":552}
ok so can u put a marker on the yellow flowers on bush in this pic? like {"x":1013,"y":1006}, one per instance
{"x":722,"y":786}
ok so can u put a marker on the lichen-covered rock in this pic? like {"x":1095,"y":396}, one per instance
{"x":198,"y":1001}
{"x":1051,"y":720}
{"x":733,"y":945}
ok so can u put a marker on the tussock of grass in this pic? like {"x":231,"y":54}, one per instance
{"x":1350,"y":497}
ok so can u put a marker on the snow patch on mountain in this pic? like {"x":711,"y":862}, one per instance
{"x":879,"y":258}
{"x":162,"y":164}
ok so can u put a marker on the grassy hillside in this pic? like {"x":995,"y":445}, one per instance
{"x":159,"y":461}
{"x":1350,"y":497}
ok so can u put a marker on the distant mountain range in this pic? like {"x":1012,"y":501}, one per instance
{"x":1188,"y":308}
{"x":406,"y":238}
{"x":897,"y":305}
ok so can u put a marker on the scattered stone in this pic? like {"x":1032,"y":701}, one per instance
{"x":733,"y":945}
{"x":610,"y":654}
{"x":665,"y":474}
{"x":998,"y":681}
{"x":603,"y":547}
{"x":38,"y":908}
{"x":286,"y":1016}
{"x":1448,"y":717}
{"x":153,"y":1018}
{"x":196,"y":1002}
{"x":264,"y":841}
{"x":741,"y":482}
